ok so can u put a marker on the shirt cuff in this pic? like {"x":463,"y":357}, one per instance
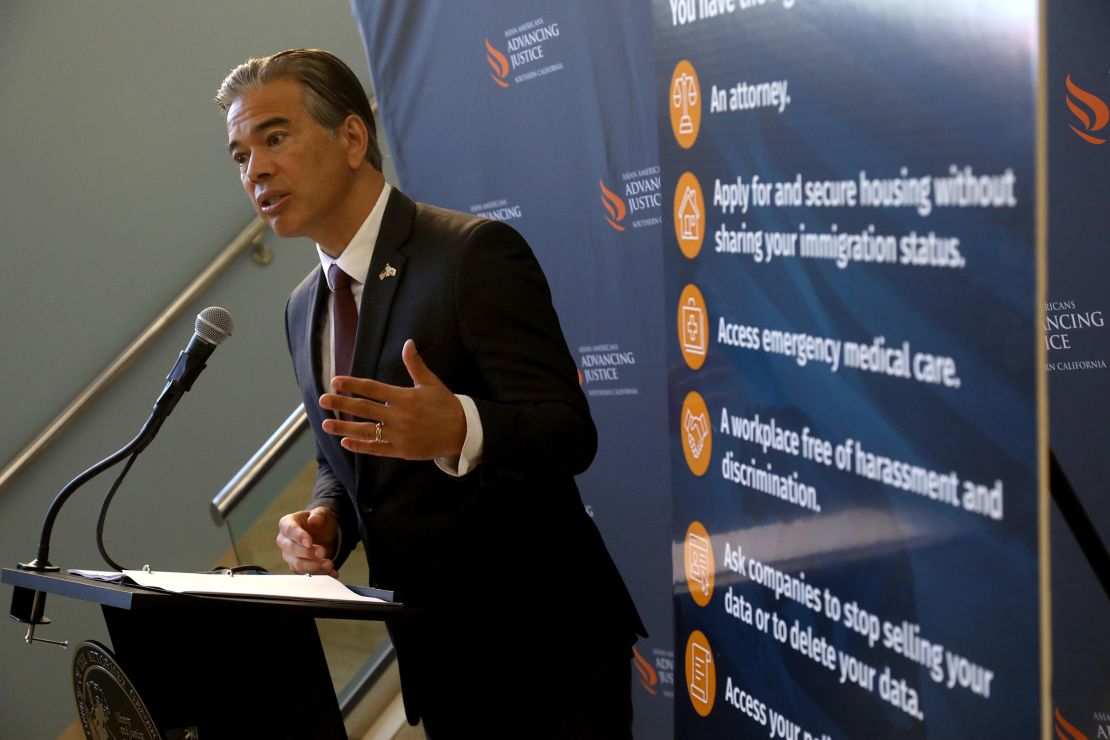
{"x":473,"y":444}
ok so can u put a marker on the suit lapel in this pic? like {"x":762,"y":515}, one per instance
{"x":380,"y":287}
{"x":378,"y":290}
{"x":318,"y":301}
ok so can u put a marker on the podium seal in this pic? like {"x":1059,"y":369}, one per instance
{"x":107,"y":702}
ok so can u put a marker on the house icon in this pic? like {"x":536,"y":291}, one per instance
{"x":688,"y":215}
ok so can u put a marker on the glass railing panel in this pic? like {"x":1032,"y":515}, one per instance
{"x":252,"y":526}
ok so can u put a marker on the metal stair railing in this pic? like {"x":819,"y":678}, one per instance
{"x":249,"y":237}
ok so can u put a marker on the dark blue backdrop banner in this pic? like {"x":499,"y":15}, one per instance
{"x":850,"y":272}
{"x":1078,"y":343}
{"x":543,"y":115}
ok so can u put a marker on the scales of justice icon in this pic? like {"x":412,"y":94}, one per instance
{"x":684,"y":94}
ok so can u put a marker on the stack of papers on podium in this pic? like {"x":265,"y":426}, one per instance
{"x":314,"y":588}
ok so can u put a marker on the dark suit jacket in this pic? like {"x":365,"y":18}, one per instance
{"x":507,"y":552}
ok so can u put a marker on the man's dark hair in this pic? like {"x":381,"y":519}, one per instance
{"x":330,"y":90}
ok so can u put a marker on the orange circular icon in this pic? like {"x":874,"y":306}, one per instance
{"x":701,"y":673}
{"x":697,"y":560}
{"x":684,"y":99}
{"x":693,"y":327}
{"x":697,"y":435}
{"x":689,"y":215}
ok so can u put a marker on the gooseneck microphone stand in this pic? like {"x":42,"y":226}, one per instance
{"x":213,"y":325}
{"x":138,"y":444}
{"x":42,"y":563}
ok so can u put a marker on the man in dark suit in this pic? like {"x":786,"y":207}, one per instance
{"x":449,"y":445}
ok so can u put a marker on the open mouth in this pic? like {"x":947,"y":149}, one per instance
{"x":271,"y":201}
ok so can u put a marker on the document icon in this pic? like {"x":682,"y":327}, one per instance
{"x":697,"y":562}
{"x":701,"y":661}
{"x":701,"y":676}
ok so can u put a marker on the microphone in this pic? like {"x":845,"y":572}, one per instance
{"x":213,"y":326}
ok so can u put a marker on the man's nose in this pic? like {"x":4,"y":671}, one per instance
{"x":259,"y":166}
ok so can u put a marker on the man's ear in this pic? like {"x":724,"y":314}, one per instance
{"x":356,"y":137}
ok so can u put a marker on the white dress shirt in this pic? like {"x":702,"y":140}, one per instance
{"x":355,"y":261}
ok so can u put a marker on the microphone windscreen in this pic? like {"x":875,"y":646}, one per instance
{"x":214,"y":325}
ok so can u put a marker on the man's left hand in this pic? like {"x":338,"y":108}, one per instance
{"x":419,"y":423}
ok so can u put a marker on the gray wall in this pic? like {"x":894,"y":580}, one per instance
{"x":116,"y":190}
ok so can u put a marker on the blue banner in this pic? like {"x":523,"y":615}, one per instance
{"x":543,"y":115}
{"x":1077,"y":340}
{"x":850,"y":270}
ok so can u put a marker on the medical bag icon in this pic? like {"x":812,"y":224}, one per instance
{"x":693,"y":327}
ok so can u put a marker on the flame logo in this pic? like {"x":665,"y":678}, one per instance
{"x":1062,"y":724}
{"x":1096,"y":105}
{"x":499,"y":64}
{"x":614,"y":205}
{"x":648,"y":679}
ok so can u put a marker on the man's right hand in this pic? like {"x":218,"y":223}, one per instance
{"x":307,"y":541}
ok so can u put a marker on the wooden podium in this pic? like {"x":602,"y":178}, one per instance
{"x":215,"y":667}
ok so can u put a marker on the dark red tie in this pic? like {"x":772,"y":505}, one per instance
{"x":344,"y":320}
